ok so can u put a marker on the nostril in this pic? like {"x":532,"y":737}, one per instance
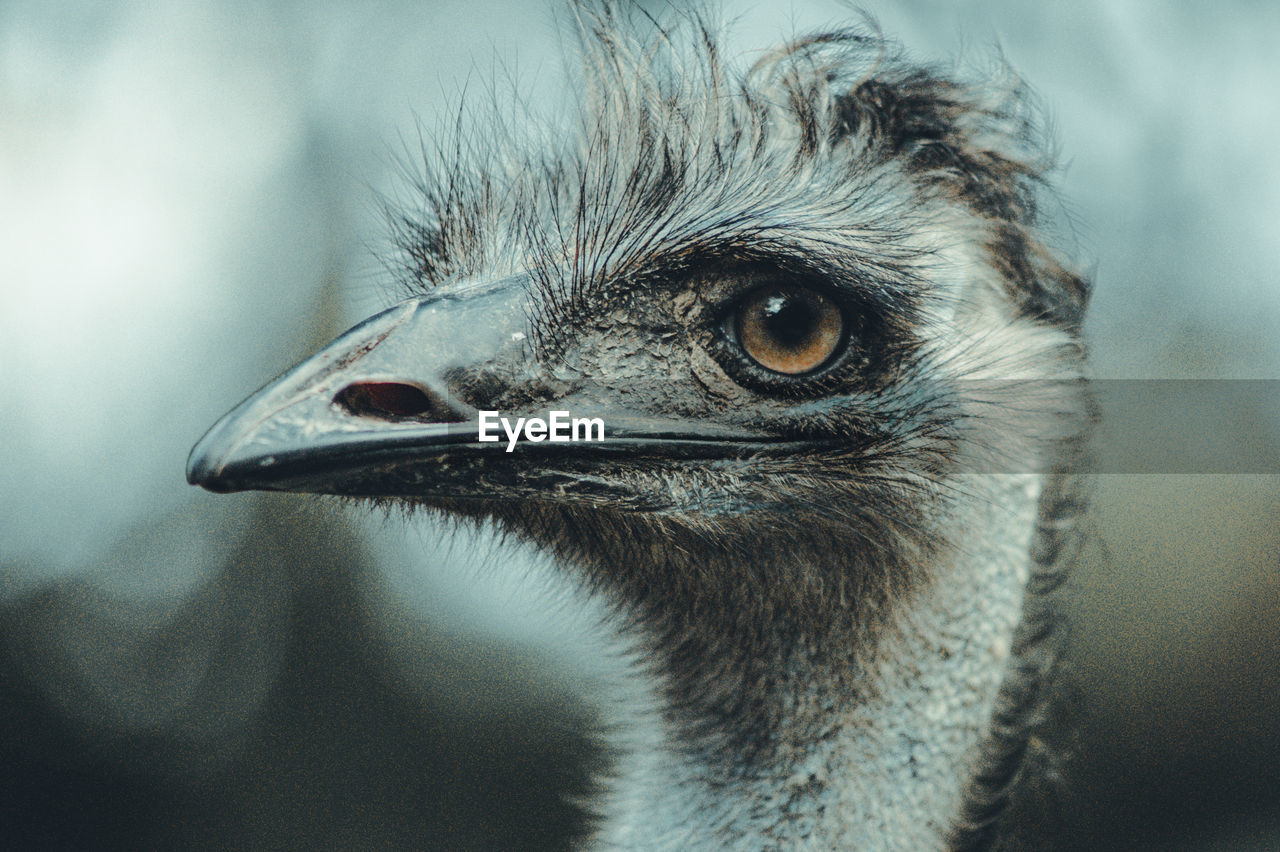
{"x":393,"y":400}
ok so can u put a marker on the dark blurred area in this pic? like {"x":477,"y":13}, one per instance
{"x":261,"y":710}
{"x":188,"y":208}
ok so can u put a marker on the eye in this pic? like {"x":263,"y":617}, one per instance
{"x":789,"y":330}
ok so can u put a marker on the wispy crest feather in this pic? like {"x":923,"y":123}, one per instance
{"x":671,"y":151}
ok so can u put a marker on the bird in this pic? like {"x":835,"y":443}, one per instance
{"x":838,"y":365}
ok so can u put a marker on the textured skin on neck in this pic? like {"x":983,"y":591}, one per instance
{"x":883,"y":764}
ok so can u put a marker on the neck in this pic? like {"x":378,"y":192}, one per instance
{"x":858,"y":738}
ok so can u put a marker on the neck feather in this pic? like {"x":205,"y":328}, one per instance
{"x":860,"y":736}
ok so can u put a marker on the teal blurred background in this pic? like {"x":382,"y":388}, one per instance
{"x":187,"y":205}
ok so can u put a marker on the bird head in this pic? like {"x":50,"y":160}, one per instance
{"x":793,"y":298}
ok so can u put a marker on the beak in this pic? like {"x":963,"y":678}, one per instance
{"x":372,"y":414}
{"x":370,"y":399}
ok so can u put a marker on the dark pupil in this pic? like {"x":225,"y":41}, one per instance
{"x":788,"y":320}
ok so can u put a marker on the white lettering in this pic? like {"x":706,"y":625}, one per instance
{"x":558,"y":428}
{"x":587,"y":424}
{"x":513,"y":435}
{"x":485,"y":425}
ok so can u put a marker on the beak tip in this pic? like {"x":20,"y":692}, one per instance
{"x":207,"y":465}
{"x":204,"y":470}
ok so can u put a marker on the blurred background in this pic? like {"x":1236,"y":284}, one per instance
{"x":187,"y":206}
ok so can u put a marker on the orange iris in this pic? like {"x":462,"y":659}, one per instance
{"x":790,"y":330}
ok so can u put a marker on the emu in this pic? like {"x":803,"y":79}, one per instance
{"x":839,"y":370}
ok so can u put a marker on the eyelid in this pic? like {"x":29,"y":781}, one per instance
{"x":740,"y":286}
